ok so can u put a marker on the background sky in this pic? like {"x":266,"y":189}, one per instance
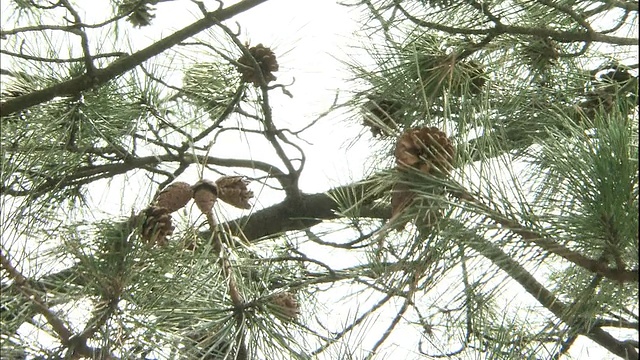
{"x":311,"y":40}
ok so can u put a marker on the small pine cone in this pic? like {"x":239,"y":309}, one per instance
{"x":380,"y":115}
{"x":174,"y":197}
{"x":233,"y":190}
{"x":427,"y":149}
{"x":598,"y":101}
{"x":401,"y":197}
{"x":541,"y":53}
{"x":285,"y":306}
{"x":140,"y":13}
{"x":266,"y":60}
{"x":439,"y":3}
{"x":477,"y":76}
{"x":156,"y":225}
{"x":205,"y":193}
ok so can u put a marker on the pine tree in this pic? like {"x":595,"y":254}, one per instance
{"x":498,"y":217}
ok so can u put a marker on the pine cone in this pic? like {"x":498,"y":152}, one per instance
{"x":285,"y":306}
{"x":174,"y":197}
{"x":427,"y":149}
{"x":156,"y":225}
{"x":233,"y":190}
{"x":599,"y":101}
{"x":541,"y":53}
{"x":265,"y":58}
{"x":477,"y":76}
{"x":439,"y":3}
{"x":140,"y":14}
{"x":380,"y":115}
{"x":402,"y":196}
{"x":205,"y":193}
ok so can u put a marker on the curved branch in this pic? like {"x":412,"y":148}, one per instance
{"x":86,"y":175}
{"x":500,"y":29}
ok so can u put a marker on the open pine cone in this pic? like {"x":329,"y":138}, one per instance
{"x":140,"y":13}
{"x":427,"y":149}
{"x":174,"y":197}
{"x":156,"y":225}
{"x":205,"y":193}
{"x":265,"y":58}
{"x":233,"y":190}
{"x":430,"y":151}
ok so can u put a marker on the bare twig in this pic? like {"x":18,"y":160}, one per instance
{"x":84,"y":40}
{"x":61,"y":61}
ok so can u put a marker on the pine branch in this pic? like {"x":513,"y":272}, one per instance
{"x":595,"y":266}
{"x":547,"y":299}
{"x":75,"y":344}
{"x":123,"y":64}
{"x":543,"y":32}
{"x":88,"y":174}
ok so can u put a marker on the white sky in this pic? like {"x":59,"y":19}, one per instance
{"x":308,"y":37}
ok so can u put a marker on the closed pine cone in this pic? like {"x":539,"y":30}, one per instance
{"x":140,"y":15}
{"x":427,"y":149}
{"x":156,"y":225}
{"x":266,"y":60}
{"x":205,"y":193}
{"x":380,"y":115}
{"x":402,"y":196}
{"x":233,"y":190}
{"x":174,"y":197}
{"x":286,"y":306}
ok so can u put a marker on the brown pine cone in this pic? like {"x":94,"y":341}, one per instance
{"x":477,"y":76}
{"x":285,"y":306}
{"x":427,"y":149}
{"x":156,"y":225}
{"x":401,"y":197}
{"x":140,"y":14}
{"x":380,"y":115}
{"x":233,"y":190}
{"x":205,"y":193}
{"x":174,"y":197}
{"x":266,"y":60}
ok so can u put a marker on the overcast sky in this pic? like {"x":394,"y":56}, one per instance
{"x":309,"y":38}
